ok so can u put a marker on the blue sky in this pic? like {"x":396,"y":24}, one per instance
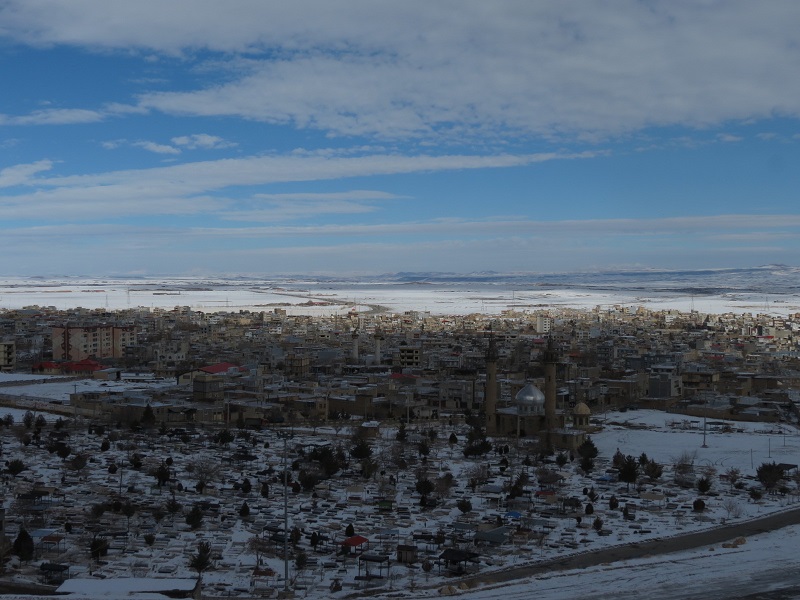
{"x":370,"y":137}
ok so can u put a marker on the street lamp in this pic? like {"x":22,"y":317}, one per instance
{"x":285,"y":435}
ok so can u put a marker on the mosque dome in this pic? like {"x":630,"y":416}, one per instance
{"x":582,"y":410}
{"x":530,"y":397}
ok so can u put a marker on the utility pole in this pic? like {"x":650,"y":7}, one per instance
{"x":285,"y":435}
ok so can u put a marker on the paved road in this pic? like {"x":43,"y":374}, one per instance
{"x":678,"y":543}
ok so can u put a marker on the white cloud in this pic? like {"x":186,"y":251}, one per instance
{"x":21,"y":174}
{"x":280,"y":207}
{"x":323,"y":196}
{"x":708,"y":226}
{"x":714,"y":227}
{"x":458,"y":69}
{"x":54,"y":116}
{"x":729,"y":138}
{"x":184,"y":189}
{"x":157,"y":148}
{"x":202,"y":140}
{"x":438,"y":245}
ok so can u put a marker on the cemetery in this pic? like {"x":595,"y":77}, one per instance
{"x":333,"y":510}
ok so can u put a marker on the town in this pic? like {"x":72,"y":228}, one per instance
{"x":247,"y":454}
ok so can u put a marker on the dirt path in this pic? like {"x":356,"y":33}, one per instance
{"x":678,"y":543}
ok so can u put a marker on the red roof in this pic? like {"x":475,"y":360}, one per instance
{"x":355,"y":541}
{"x":86,"y":364}
{"x":402,"y":376}
{"x":46,"y":365}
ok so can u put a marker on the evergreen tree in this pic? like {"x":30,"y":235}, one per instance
{"x":194,"y":518}
{"x":162,"y":474}
{"x":361,"y":450}
{"x":148,"y":416}
{"x":653,"y":470}
{"x":98,"y":547}
{"x":587,"y":449}
{"x":300,"y":561}
{"x":201,"y":560}
{"x":629,"y":471}
{"x":769,"y":474}
{"x":587,"y":464}
{"x":23,"y":545}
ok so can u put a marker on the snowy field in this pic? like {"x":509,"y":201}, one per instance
{"x":42,"y":389}
{"x":324,"y":299}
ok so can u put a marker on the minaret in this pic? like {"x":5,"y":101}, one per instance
{"x":550,"y":361}
{"x":490,"y":394}
{"x":378,"y":338}
{"x":354,"y":351}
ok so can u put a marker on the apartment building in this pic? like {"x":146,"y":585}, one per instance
{"x":8,"y":355}
{"x":77,"y":342}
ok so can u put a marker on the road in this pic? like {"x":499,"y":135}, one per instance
{"x":777,"y":579}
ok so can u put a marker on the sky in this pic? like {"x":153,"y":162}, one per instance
{"x":358,"y":137}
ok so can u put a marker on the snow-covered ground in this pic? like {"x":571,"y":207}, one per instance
{"x":325,"y":298}
{"x":41,"y":388}
{"x":763,"y":564}
{"x":662,"y":436}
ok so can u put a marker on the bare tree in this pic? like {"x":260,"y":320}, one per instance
{"x":732,"y":507}
{"x":205,"y":470}
{"x":733,"y":474}
{"x":259,"y":546}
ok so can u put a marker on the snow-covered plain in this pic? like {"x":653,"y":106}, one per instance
{"x":328,"y":298}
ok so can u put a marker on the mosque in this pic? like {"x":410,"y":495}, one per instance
{"x":531,"y":411}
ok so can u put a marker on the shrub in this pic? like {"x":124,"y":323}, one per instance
{"x":16,"y":466}
{"x":653,"y":470}
{"x":195,"y":517}
{"x":98,"y":548}
{"x":464,"y":505}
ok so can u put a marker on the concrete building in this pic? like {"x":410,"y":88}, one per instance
{"x":8,"y":355}
{"x":77,"y":342}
